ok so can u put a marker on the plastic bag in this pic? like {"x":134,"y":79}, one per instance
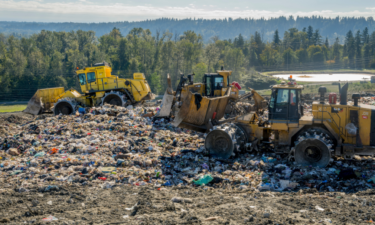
{"x":350,"y":127}
{"x":203,"y":180}
{"x":39,"y":154}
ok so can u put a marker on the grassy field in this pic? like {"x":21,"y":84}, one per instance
{"x":12,"y":108}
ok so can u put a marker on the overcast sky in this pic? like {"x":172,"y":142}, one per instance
{"x":137,"y":10}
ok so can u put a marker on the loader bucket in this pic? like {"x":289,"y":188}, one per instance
{"x":190,"y":117}
{"x":43,"y":100}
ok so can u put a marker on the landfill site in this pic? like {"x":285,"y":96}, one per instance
{"x":199,"y":156}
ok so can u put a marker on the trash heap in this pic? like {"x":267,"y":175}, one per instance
{"x":368,"y":100}
{"x":111,"y":145}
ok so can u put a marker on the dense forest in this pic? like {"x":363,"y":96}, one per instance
{"x":49,"y":59}
{"x":223,"y":28}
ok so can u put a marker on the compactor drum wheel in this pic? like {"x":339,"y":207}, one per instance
{"x":114,"y":98}
{"x":313,"y":148}
{"x":225,"y":140}
{"x":219,"y":144}
{"x":65,"y":107}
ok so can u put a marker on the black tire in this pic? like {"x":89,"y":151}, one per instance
{"x":113,"y":100}
{"x":312,"y":152}
{"x":64,"y":108}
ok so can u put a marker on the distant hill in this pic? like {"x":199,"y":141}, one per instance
{"x":223,"y":28}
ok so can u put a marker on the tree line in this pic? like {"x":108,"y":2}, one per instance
{"x":49,"y":58}
{"x":227,"y":28}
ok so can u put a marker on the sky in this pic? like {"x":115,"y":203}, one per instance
{"x":138,"y":10}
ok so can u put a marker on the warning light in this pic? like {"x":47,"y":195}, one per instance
{"x":290,"y":76}
{"x":78,"y":69}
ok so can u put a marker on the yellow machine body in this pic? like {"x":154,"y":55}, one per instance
{"x":340,"y":129}
{"x":338,"y":116}
{"x":198,"y":103}
{"x":99,"y":79}
{"x":332,"y":118}
{"x":95,"y":82}
{"x":195,"y":113}
{"x":214,"y":89}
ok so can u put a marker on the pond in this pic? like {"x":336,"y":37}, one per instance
{"x":327,"y":77}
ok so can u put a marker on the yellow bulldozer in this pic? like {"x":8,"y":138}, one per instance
{"x":98,"y":87}
{"x":193,"y":105}
{"x":332,"y":129}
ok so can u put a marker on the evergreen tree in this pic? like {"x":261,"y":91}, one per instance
{"x":326,"y":43}
{"x":350,"y":48}
{"x":317,"y":38}
{"x":365,"y":36}
{"x":336,"y":50}
{"x":310,"y":35}
{"x":239,"y":42}
{"x":358,"y":49}
{"x":276,"y":39}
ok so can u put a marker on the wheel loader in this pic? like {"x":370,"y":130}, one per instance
{"x":98,"y":87}
{"x":332,"y":129}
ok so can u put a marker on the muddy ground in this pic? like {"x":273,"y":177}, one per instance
{"x":125,"y":204}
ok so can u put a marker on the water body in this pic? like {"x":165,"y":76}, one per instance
{"x":327,"y":77}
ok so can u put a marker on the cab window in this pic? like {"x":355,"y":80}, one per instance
{"x":208,"y":86}
{"x":82,"y":79}
{"x":282,"y":97}
{"x":91,"y":77}
{"x":219,"y":83}
{"x":293,"y":97}
{"x":273,"y":96}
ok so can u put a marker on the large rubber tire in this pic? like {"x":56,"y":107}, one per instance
{"x":314,"y":150}
{"x":113,"y":99}
{"x":64,"y":108}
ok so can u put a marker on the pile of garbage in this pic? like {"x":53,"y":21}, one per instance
{"x":368,"y":100}
{"x":112,"y":145}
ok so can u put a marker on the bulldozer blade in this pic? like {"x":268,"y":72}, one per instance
{"x":183,"y":111}
{"x":43,"y":100}
{"x":196,"y":111}
{"x":34,"y":106}
{"x":166,"y":105}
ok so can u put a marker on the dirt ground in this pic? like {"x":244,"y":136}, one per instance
{"x":125,"y":204}
{"x":15,"y":117}
{"x":204,"y":205}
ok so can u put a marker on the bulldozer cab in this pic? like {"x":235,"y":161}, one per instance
{"x":216,"y":84}
{"x":285,"y":103}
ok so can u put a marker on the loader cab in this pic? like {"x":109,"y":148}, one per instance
{"x":285,"y":103}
